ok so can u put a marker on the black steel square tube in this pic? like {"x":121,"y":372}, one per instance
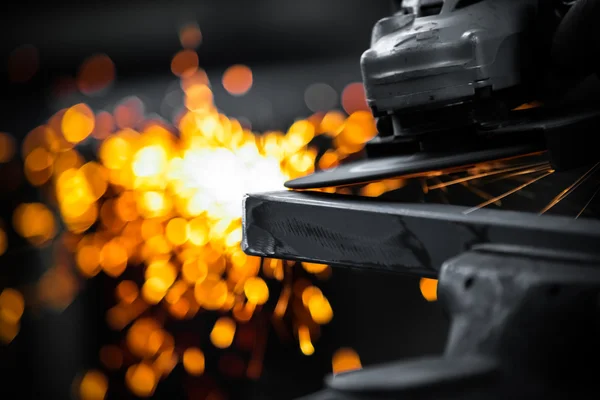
{"x":407,"y":238}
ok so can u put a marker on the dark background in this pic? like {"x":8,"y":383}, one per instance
{"x":288,"y":44}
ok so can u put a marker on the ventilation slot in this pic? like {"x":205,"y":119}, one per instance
{"x":431,"y":7}
{"x":466,"y":3}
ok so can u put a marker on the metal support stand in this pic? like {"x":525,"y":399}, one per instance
{"x":525,"y":325}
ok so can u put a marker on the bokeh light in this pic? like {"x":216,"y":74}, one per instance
{"x":95,"y":74}
{"x":354,"y":99}
{"x":129,"y":112}
{"x":185,"y":63}
{"x":237,"y":79}
{"x":170,"y":204}
{"x":193,"y":361}
{"x":12,"y":306}
{"x":35,"y":222}
{"x":156,"y":207}
{"x":77,"y":123}
{"x":320,"y":97}
{"x":141,"y":379}
{"x":223,"y":332}
{"x":23,"y":63}
{"x":3,"y":241}
{"x":190,"y":36}
{"x":345,"y":360}
{"x":111,"y":357}
{"x":93,"y":386}
{"x":428,"y":288}
{"x":7,"y":147}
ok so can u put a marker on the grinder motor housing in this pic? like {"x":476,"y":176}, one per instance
{"x":434,"y":54}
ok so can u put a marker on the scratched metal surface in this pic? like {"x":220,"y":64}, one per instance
{"x":400,"y":237}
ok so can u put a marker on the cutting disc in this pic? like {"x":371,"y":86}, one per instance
{"x":405,"y":165}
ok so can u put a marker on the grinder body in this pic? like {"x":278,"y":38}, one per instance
{"x":419,"y":61}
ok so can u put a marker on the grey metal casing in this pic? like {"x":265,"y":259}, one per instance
{"x":440,"y":59}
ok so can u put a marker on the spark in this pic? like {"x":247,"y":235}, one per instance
{"x":258,"y":352}
{"x":571,"y":188}
{"x":306,"y":344}
{"x":497,"y":198}
{"x":480,"y":193}
{"x":443,"y":192}
{"x":482,"y":175}
{"x":588,"y":202}
{"x":440,"y":185}
{"x":523,"y":170}
{"x":283,"y":302}
{"x":424,"y":186}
